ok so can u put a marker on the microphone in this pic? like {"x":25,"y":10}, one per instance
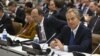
{"x":48,"y":50}
{"x":50,"y":38}
{"x":95,"y":24}
{"x":14,"y":42}
{"x":96,"y":49}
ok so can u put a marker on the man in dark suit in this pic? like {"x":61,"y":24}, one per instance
{"x":84,"y":7}
{"x":85,"y":11}
{"x":93,"y":7}
{"x":17,"y":13}
{"x":95,"y":21}
{"x":45,"y":6}
{"x":47,"y":26}
{"x":95,"y":29}
{"x":59,"y":8}
{"x":5,"y":22}
{"x":75,"y":36}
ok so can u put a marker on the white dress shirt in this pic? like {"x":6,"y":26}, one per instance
{"x":74,"y":31}
{"x":42,"y":30}
{"x":50,"y":13}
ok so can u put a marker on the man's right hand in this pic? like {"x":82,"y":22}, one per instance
{"x":53,"y":44}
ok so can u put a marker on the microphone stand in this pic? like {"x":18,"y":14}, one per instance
{"x":49,"y":39}
{"x":96,"y":48}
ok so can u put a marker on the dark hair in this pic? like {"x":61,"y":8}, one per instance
{"x":28,"y":10}
{"x":12,"y":3}
{"x":70,"y":5}
{"x":59,"y":3}
{"x":29,"y":4}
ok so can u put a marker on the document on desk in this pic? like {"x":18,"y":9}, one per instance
{"x":62,"y":53}
{"x":58,"y":52}
{"x":15,"y":37}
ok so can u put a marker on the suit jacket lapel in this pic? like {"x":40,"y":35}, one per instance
{"x":44,"y":24}
{"x":78,"y":33}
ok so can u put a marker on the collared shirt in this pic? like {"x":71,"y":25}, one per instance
{"x":42,"y":30}
{"x":50,"y":13}
{"x":77,"y":5}
{"x":95,"y":12}
{"x":86,"y":10}
{"x":59,"y":9}
{"x":74,"y":31}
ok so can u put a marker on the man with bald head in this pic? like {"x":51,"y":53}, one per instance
{"x":47,"y":26}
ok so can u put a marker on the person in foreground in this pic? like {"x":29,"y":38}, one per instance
{"x":75,"y":36}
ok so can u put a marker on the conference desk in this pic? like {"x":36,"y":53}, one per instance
{"x":29,"y":48}
{"x":13,"y":50}
{"x":17,"y":50}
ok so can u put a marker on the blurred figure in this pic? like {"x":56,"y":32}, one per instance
{"x":45,"y":6}
{"x":78,"y":2}
{"x":17,"y":13}
{"x":60,"y":9}
{"x":85,"y":11}
{"x":84,"y":7}
{"x":93,"y":7}
{"x":51,"y":10}
{"x":29,"y":30}
{"x":95,"y":29}
{"x":5,"y":22}
{"x":28,"y":5}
